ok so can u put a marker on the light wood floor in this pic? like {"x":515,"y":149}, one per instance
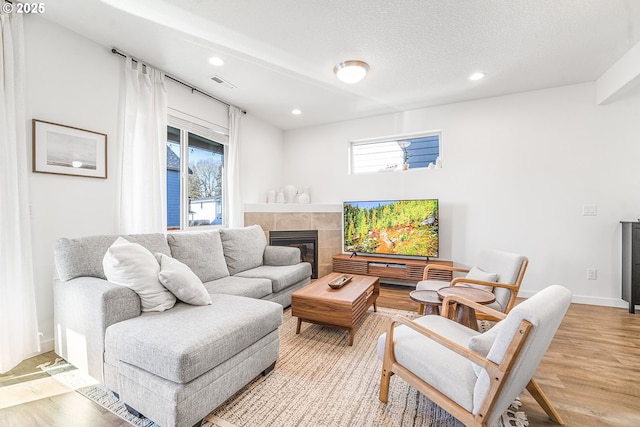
{"x":591,"y":373}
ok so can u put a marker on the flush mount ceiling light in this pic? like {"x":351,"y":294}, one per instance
{"x":351,"y":71}
{"x":476,"y":76}
{"x":296,"y":111}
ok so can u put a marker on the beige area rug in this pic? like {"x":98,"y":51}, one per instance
{"x":320,"y":381}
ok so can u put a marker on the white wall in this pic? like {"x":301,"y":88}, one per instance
{"x":74,"y":81}
{"x":262,"y":157}
{"x":516,"y":172}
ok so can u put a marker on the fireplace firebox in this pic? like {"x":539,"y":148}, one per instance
{"x":305,"y":240}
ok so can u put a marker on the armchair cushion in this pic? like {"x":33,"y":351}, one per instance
{"x":431,"y":285}
{"x":507,"y":265}
{"x":132,"y":265}
{"x":181,"y":281}
{"x":476,"y":273}
{"x":545,"y":311}
{"x":435,"y":364}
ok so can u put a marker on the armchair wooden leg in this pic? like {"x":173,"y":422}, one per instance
{"x":384,"y":385}
{"x":543,"y":401}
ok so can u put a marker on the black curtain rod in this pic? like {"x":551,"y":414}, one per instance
{"x":193,"y":89}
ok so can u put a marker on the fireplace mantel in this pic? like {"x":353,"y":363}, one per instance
{"x":292,"y":207}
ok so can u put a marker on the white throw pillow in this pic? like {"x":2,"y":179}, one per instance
{"x":132,"y":265}
{"x":181,"y":281}
{"x":477,"y":273}
{"x":482,"y":343}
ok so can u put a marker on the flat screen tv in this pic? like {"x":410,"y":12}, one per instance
{"x":400,"y":228}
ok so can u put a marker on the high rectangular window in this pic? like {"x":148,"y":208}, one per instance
{"x":395,"y":153}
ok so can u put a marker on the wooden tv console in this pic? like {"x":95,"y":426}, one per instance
{"x":402,"y":271}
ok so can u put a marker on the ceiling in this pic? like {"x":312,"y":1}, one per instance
{"x":280,"y":54}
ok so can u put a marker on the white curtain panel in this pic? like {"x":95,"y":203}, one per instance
{"x":18,"y":319}
{"x":234,"y":195}
{"x":143,"y":150}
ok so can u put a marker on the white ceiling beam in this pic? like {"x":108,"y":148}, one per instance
{"x":622,"y":75}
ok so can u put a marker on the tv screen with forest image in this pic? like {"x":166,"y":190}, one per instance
{"x":391,"y":227}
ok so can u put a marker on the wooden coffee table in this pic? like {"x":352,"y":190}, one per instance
{"x":341,"y":308}
{"x":464,"y":314}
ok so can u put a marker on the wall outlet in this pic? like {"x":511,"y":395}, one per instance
{"x":592,"y":273}
{"x":589,"y":210}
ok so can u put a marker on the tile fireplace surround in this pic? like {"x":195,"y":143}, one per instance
{"x":327,"y":219}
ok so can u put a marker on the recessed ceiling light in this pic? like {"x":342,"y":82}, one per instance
{"x":476,"y":76}
{"x":296,"y":111}
{"x":217,"y":61}
{"x":351,"y":71}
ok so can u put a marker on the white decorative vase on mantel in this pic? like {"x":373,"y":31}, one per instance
{"x":290,"y":192}
{"x":304,"y":197}
{"x":280,"y":196}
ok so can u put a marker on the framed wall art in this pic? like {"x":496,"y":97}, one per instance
{"x":68,"y":150}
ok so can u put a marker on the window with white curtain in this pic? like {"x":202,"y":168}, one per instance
{"x":400,"y":152}
{"x":196,"y":178}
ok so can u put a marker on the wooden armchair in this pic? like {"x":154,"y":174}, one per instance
{"x":506,"y":268}
{"x":473,"y":376}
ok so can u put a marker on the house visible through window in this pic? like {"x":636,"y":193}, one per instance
{"x":395,"y":153}
{"x":195,"y":180}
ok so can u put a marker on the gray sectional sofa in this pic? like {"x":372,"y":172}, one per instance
{"x":175,"y":366}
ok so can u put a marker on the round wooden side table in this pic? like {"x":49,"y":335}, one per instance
{"x":464,"y":314}
{"x":429,"y":301}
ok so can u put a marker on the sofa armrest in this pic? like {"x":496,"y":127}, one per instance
{"x":84,"y":308}
{"x":281,"y":255}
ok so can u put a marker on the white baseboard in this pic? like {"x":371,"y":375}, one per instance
{"x":581,"y":299}
{"x":46,"y":345}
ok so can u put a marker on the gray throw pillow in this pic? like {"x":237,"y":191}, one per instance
{"x":181,"y":281}
{"x":201,"y":252}
{"x":243,"y":247}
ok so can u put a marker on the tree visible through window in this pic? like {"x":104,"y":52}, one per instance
{"x":195,"y":198}
{"x":395,"y":153}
